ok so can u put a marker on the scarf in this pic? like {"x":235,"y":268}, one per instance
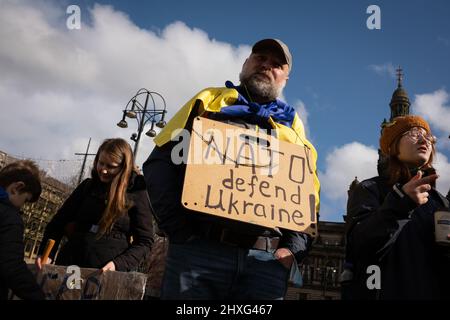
{"x":3,"y":194}
{"x":255,"y":113}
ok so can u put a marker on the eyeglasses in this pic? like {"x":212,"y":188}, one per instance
{"x":415,"y":133}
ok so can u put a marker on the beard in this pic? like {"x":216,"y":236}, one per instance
{"x":260,"y":88}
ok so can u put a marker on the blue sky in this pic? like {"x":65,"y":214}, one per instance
{"x":341,"y":82}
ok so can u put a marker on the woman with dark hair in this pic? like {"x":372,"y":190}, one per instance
{"x":391,"y":221}
{"x":107,"y":219}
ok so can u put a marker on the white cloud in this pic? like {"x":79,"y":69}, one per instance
{"x":352,"y":160}
{"x":343,"y":164}
{"x":59,"y":87}
{"x":303,"y":114}
{"x":382,"y":69}
{"x":435,"y":108}
{"x":442,"y":165}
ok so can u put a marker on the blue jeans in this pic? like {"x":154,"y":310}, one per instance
{"x":203,"y":269}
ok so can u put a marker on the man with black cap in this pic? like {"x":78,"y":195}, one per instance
{"x":214,"y":258}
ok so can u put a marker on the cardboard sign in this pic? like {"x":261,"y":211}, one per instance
{"x":73,"y":283}
{"x":249,"y":176}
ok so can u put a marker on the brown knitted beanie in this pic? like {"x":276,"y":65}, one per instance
{"x":398,"y":126}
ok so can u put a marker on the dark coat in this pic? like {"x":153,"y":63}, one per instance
{"x":82,"y":211}
{"x":398,"y":236}
{"x":14,"y":273}
{"x":165,"y":185}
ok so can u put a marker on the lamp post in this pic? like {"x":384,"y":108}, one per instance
{"x":138,"y":108}
{"x":80,"y":178}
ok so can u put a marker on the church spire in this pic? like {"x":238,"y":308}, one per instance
{"x":400,"y":102}
{"x":399,"y":77}
{"x":399,"y":107}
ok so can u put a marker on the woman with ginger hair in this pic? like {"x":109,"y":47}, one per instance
{"x":391,"y":221}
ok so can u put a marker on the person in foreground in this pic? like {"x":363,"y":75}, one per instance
{"x":107,"y":219}
{"x":19,"y":183}
{"x":211,"y":257}
{"x":392,"y":220}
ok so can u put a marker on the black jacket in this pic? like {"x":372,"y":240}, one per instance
{"x":398,"y":236}
{"x":165,"y":185}
{"x":82,"y":211}
{"x":14,"y":273}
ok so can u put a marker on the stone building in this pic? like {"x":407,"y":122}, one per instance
{"x":322,"y":267}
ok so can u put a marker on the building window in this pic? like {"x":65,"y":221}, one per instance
{"x":28,"y":246}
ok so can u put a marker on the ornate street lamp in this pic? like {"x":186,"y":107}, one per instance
{"x":138,"y":108}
